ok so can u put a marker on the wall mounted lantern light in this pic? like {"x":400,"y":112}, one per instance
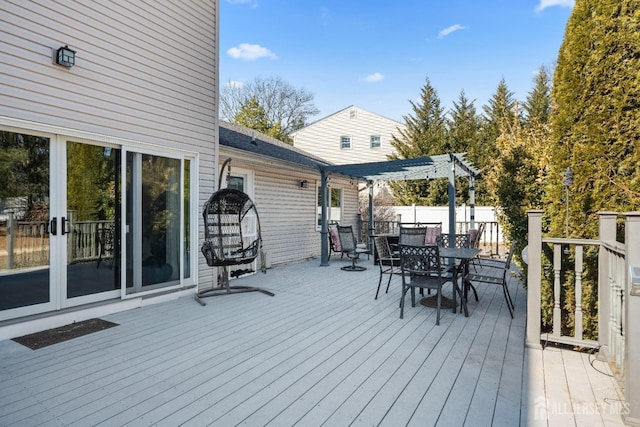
{"x":304,"y":184}
{"x":66,"y":57}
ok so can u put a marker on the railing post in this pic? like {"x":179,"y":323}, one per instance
{"x":632,"y":323}
{"x":607,"y":225}
{"x":534,"y":276}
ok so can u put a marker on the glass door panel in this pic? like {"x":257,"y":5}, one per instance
{"x":92,"y":225}
{"x":24,"y":220}
{"x":153,"y":221}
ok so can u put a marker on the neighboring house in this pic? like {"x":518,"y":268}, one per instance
{"x":284,"y":182}
{"x":352,"y":135}
{"x":119,"y":149}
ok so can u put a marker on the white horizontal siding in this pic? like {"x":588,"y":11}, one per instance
{"x":145,"y":72}
{"x":322,"y":138}
{"x":288,"y":212}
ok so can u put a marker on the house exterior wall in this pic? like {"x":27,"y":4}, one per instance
{"x":287,"y":211}
{"x":146,"y":73}
{"x":322,"y":138}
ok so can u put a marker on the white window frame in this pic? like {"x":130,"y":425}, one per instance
{"x":339,"y":210}
{"x":343,"y":141}
{"x":379,"y":141}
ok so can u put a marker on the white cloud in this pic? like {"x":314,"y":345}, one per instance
{"x":372,"y":78}
{"x":234,"y":84}
{"x":450,"y":30}
{"x":550,"y":3}
{"x":250,"y":52}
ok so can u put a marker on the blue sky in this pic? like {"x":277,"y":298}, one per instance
{"x":377,"y":54}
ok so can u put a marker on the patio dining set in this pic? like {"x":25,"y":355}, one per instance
{"x":426,"y":258}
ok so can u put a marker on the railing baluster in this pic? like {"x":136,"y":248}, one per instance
{"x":578,"y":293}
{"x":557,"y":267}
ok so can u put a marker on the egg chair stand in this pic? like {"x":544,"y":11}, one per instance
{"x":229,"y":215}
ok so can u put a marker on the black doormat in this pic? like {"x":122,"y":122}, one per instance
{"x":63,"y":333}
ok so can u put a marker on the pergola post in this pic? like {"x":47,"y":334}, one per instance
{"x":452,"y":200}
{"x":371,"y":216}
{"x":324,"y":234}
{"x":472,"y":201}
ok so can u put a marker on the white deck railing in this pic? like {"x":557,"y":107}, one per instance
{"x":27,"y":242}
{"x":618,"y":332}
{"x":573,"y":247}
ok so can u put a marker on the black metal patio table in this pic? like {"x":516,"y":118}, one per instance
{"x":465,"y":255}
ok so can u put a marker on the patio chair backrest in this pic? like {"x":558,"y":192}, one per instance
{"x":420,"y":260}
{"x":476,"y":235}
{"x":382,"y":247}
{"x":459,"y":240}
{"x":347,"y":238}
{"x":412,"y":236}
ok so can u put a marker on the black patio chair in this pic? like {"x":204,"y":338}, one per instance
{"x":462,"y":240}
{"x":388,"y":263}
{"x":412,"y":236}
{"x":494,"y":271}
{"x":106,"y":243}
{"x":421,"y":268}
{"x":349,"y":247}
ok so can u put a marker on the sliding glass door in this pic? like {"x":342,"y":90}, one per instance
{"x":154,"y":217}
{"x":25,"y":225}
{"x":78,"y":218}
{"x":92,"y":223}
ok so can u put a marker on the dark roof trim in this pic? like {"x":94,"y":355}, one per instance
{"x":431,"y":167}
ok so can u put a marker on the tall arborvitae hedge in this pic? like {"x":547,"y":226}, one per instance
{"x":595,"y":131}
{"x":596,"y":116}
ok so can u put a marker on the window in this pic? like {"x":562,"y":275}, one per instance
{"x":334,"y":207}
{"x":345,"y":142}
{"x":375,"y":141}
{"x":353,"y":114}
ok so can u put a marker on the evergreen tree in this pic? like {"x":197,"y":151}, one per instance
{"x":596,"y":120}
{"x":425,"y":135}
{"x":253,"y":116}
{"x":498,"y":114}
{"x":463,"y":135}
{"x":538,"y":104}
{"x":595,"y":131}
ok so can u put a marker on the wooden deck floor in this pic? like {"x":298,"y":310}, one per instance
{"x":321,"y":352}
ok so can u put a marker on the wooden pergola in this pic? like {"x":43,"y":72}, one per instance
{"x":443,"y":166}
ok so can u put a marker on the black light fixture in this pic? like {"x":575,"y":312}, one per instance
{"x":304,"y":184}
{"x":66,"y":57}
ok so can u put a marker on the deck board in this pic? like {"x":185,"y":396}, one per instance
{"x":322,"y":351}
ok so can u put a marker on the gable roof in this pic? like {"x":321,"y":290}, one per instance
{"x":251,"y":141}
{"x":438,"y":166}
{"x":350,"y":107}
